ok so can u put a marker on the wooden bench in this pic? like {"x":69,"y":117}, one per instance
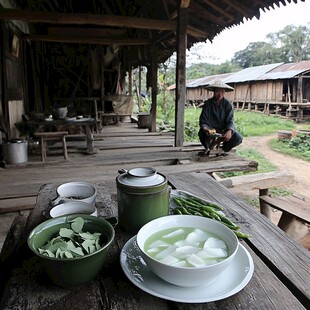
{"x":295,"y":212}
{"x":258,"y":181}
{"x":48,"y":136}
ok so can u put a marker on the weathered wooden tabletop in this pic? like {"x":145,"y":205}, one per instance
{"x":281,"y":278}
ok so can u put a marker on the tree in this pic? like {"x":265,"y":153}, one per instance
{"x":292,"y":44}
{"x":257,"y":53}
{"x":295,"y":43}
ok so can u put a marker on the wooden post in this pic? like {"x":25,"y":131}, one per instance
{"x":154,"y":68}
{"x":102,"y":90}
{"x":129,"y":79}
{"x":181,"y":73}
{"x":139,"y":88}
{"x":299,"y":89}
{"x":265,"y":208}
{"x":288,"y":111}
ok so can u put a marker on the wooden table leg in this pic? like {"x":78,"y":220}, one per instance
{"x":43,"y":149}
{"x":90,"y":141}
{"x":64,"y":146}
{"x":291,"y":225}
{"x":265,"y":208}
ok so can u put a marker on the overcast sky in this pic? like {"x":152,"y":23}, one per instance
{"x":238,"y":38}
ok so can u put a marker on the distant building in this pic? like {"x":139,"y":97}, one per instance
{"x":280,"y":88}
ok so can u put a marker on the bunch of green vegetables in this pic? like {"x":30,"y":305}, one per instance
{"x":190,"y":205}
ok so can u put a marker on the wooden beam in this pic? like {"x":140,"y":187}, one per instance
{"x":93,"y":19}
{"x":236,"y":5}
{"x":185,"y":4}
{"x":88,"y":19}
{"x":218,"y":9}
{"x":198,"y":9}
{"x":86,"y":40}
{"x":91,"y":31}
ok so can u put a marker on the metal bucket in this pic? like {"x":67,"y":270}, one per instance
{"x":15,"y":151}
{"x":141,"y":198}
{"x":143,"y":120}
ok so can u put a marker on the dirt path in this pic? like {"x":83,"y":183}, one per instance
{"x":298,"y":167}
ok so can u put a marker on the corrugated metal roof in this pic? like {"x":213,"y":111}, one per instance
{"x":287,"y":71}
{"x":205,"y":81}
{"x":259,"y":73}
{"x":252,"y":73}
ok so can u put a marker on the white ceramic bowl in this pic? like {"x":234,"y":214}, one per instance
{"x":76,"y":191}
{"x":188,"y":276}
{"x":73,"y":207}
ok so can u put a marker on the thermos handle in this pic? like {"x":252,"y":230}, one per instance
{"x":112,"y":220}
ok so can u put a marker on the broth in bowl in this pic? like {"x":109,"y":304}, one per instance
{"x":186,"y":247}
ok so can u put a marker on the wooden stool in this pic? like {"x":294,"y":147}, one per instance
{"x":48,"y":136}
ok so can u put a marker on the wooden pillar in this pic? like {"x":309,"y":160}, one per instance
{"x":299,"y":89}
{"x":102,"y":90}
{"x":139,"y":88}
{"x":181,"y":72}
{"x":154,"y":69}
{"x":129,"y":79}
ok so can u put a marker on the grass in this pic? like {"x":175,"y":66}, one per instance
{"x":285,"y":147}
{"x":249,"y":124}
{"x":264,"y":165}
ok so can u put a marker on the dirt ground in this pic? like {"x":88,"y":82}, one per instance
{"x":299,"y":168}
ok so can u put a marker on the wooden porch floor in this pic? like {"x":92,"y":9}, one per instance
{"x":120,"y":147}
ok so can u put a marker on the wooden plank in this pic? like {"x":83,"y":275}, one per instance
{"x":17,"y":204}
{"x":291,"y":205}
{"x":260,"y":180}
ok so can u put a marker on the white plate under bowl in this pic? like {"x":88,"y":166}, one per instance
{"x":73,"y":207}
{"x":231,"y":282}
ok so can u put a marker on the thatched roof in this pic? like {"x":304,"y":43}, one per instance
{"x":132,"y":25}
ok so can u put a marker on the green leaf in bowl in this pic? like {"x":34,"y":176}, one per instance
{"x":89,"y":246}
{"x":78,"y":251}
{"x":66,"y":233}
{"x":77,"y":224}
{"x":72,"y":242}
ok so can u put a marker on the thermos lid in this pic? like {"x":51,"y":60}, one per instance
{"x":141,"y":177}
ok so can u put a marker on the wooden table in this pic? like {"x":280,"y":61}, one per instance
{"x":281,"y":278}
{"x":87,"y":123}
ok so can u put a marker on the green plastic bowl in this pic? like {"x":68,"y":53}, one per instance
{"x":68,"y":272}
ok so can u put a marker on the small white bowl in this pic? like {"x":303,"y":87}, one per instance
{"x":77,"y":191}
{"x":73,"y":207}
{"x":188,"y":276}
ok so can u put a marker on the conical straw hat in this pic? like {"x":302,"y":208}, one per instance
{"x":219,"y":84}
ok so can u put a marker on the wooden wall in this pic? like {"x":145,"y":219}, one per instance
{"x":12,"y":95}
